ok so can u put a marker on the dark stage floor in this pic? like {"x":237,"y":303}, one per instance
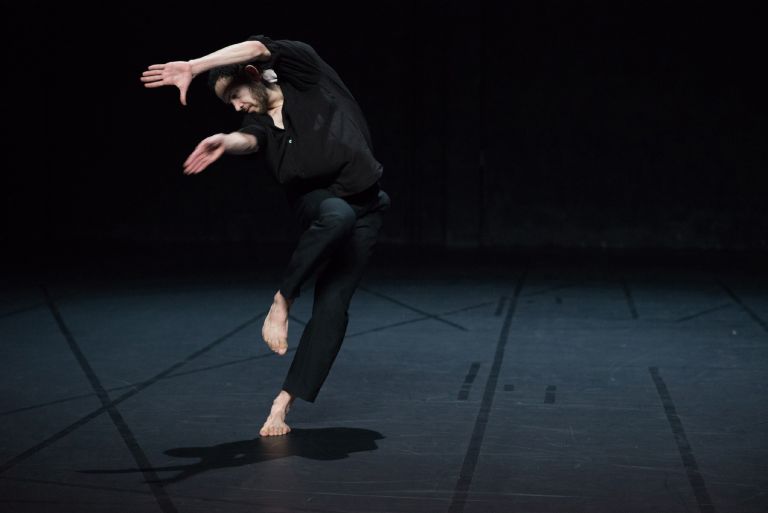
{"x":533,"y":385}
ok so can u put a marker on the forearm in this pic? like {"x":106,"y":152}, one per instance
{"x":238,"y":143}
{"x":238,"y":53}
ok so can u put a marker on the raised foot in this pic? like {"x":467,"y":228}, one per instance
{"x":275,"y":329}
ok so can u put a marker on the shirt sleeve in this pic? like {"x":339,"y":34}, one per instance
{"x":252,"y":125}
{"x":293,"y":61}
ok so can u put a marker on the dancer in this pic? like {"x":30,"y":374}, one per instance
{"x":298,"y":112}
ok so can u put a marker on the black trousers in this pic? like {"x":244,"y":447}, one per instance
{"x":336,"y":243}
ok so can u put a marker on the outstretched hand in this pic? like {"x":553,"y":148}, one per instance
{"x":207,"y":152}
{"x":178,"y":73}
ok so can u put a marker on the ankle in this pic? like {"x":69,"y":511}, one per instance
{"x":283,"y":399}
{"x":280,"y":300}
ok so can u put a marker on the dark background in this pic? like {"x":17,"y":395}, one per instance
{"x":558,"y":126}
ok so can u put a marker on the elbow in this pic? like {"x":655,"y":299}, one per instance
{"x":258,"y":51}
{"x":249,"y":143}
{"x":239,"y":143}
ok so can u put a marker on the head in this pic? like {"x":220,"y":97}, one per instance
{"x":242,"y":86}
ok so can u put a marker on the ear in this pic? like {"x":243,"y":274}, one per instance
{"x":253,"y":72}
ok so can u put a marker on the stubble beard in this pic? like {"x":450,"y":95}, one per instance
{"x":261,"y":95}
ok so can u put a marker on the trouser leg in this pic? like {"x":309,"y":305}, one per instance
{"x":336,"y":283}
{"x":327,"y":222}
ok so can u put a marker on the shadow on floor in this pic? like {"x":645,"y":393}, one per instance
{"x":316,"y":444}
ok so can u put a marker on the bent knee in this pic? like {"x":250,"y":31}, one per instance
{"x":385,"y":203}
{"x":335,"y":213}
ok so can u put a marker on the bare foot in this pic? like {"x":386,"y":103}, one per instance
{"x":275,"y":329}
{"x":275,"y":423}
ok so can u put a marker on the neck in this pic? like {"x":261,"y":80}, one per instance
{"x":274,"y":97}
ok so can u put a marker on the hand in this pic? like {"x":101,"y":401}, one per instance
{"x":178,"y":73}
{"x":208,"y":151}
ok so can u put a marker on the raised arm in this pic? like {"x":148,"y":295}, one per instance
{"x":181,"y":73}
{"x":211,"y":148}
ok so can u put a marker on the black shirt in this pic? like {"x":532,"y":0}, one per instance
{"x":326,"y":142}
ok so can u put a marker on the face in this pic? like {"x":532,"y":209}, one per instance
{"x":251,"y":97}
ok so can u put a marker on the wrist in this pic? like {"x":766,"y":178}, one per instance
{"x":228,"y":142}
{"x":195,"y":67}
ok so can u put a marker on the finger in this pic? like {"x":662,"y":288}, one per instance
{"x":206,"y":161}
{"x":183,"y":95}
{"x":151,"y":79}
{"x":191,"y":157}
{"x":199,"y":164}
{"x":152,"y":72}
{"x":191,"y":169}
{"x":154,"y":84}
{"x":195,"y":155}
{"x":192,"y":164}
{"x":156,"y":66}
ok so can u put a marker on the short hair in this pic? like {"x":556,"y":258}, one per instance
{"x":236,"y":72}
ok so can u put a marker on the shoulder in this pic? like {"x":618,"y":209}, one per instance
{"x":295,"y":62}
{"x":286,"y":48}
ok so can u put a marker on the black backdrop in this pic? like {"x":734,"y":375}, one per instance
{"x":557,"y":125}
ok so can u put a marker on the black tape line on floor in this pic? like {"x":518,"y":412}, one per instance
{"x":703,"y":313}
{"x":759,"y":320}
{"x":136,"y":388}
{"x":629,"y":298}
{"x":162,"y":498}
{"x":686,"y":452}
{"x":123,"y":387}
{"x":500,"y":306}
{"x":414,"y":309}
{"x":411,"y":321}
{"x":468,"y":380}
{"x":467,"y":471}
{"x":232,"y":362}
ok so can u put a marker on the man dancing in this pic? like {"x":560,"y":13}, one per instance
{"x":318,"y":147}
